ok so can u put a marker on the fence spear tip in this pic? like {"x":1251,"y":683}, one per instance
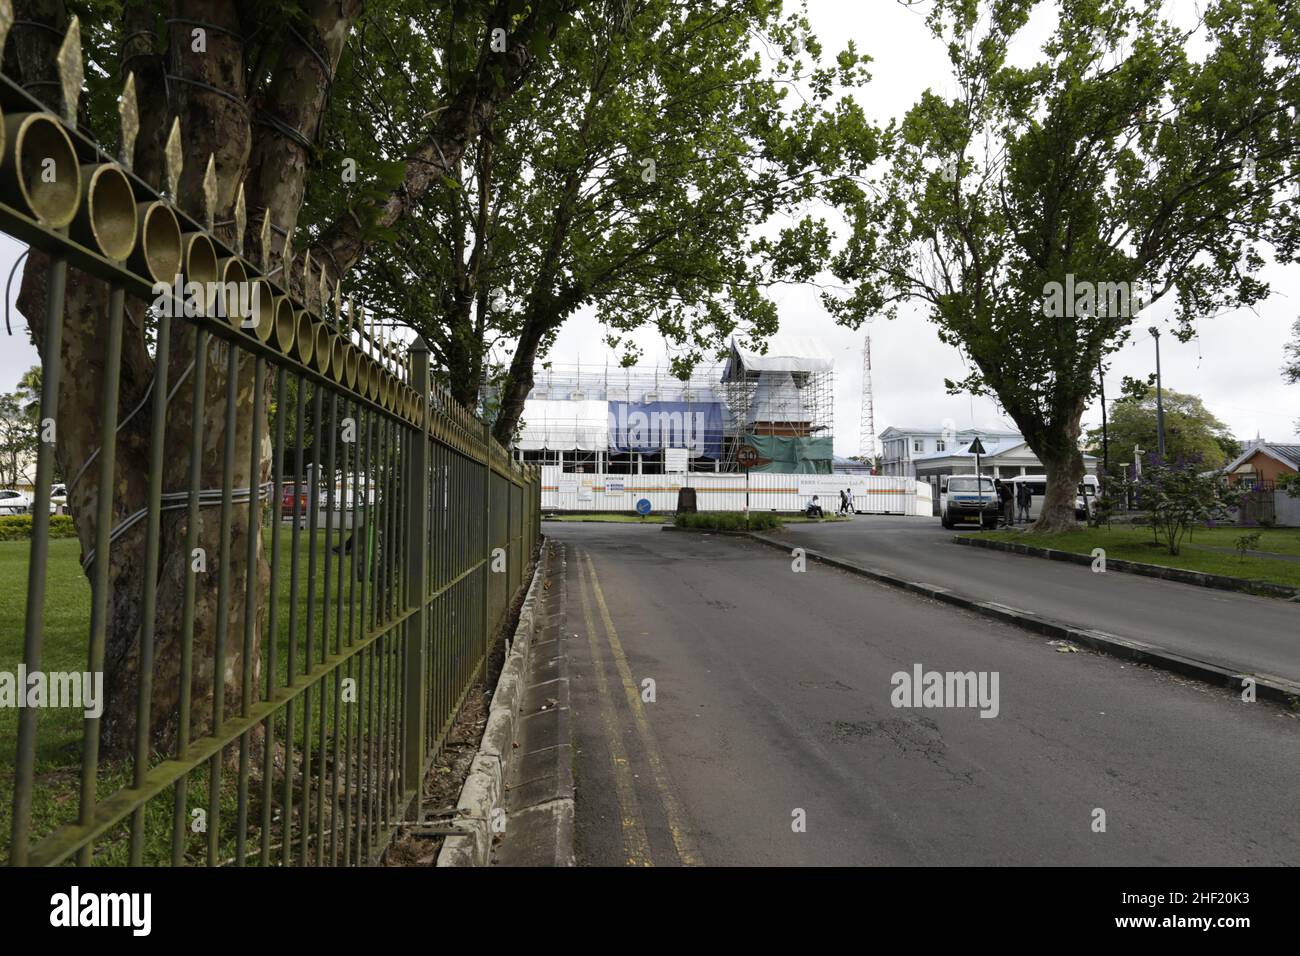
{"x":175,"y":160}
{"x":266,"y":239}
{"x":210,"y":192}
{"x":128,"y":112}
{"x":241,"y":219}
{"x":71,"y":74}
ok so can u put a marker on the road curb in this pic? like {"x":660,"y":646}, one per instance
{"x":1221,"y":582}
{"x":539,"y":780}
{"x":1221,"y":674}
{"x":483,"y":795}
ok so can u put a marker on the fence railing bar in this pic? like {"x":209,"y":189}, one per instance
{"x":347,"y":769}
{"x":223,"y":601}
{"x":272,"y":615}
{"x":153,"y":547}
{"x":103,"y":561}
{"x":187,"y":608}
{"x":356,"y":537}
{"x":331,"y":480}
{"x":251,"y":592}
{"x":309,"y":655}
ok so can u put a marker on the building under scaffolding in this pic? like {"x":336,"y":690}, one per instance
{"x":782,"y":403}
{"x":645,"y":420}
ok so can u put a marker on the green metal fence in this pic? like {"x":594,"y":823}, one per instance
{"x":363,"y":567}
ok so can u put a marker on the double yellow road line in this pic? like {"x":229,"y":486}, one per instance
{"x":635,"y":843}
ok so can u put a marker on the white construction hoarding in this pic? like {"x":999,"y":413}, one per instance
{"x":767,"y":491}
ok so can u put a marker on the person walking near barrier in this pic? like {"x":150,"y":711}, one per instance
{"x":1024,"y":500}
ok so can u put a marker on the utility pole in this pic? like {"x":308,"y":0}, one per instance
{"x":1160,"y":402}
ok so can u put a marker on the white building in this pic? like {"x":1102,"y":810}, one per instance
{"x":902,"y":446}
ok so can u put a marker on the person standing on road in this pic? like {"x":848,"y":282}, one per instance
{"x":1024,"y":500}
{"x":1007,"y":505}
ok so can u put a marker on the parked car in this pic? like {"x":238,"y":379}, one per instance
{"x":287,"y":496}
{"x":963,"y":501}
{"x":58,"y":499}
{"x":14,"y":502}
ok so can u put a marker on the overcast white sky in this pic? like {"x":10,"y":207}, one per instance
{"x":1233,"y":364}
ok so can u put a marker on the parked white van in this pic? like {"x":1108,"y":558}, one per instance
{"x":1085,"y":503}
{"x":962,"y":501}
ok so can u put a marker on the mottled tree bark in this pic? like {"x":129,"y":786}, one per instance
{"x":1063,"y":463}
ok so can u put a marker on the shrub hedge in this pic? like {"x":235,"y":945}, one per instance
{"x":19,"y":527}
{"x":728,"y":521}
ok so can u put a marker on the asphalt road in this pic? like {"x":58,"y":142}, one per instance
{"x":1245,"y":633}
{"x":772,"y":701}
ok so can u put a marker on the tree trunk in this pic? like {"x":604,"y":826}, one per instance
{"x":1063,"y":463}
{"x":211,"y":125}
{"x":519,"y":382}
{"x":1063,"y":477}
{"x":464,"y":355}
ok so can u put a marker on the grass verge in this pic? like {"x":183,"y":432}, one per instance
{"x":1138,"y":544}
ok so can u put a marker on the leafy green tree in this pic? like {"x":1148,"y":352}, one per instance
{"x":20,"y":428}
{"x":1191,"y":430}
{"x":1180,"y":496}
{"x":636,"y":177}
{"x":18,"y":439}
{"x":1037,"y":209}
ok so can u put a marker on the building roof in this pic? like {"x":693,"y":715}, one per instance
{"x":1288,"y":455}
{"x":993,"y":453}
{"x":960,"y":432}
{"x":785,"y":353}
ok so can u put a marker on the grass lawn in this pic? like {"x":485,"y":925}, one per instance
{"x":59,"y":730}
{"x":1138,"y":544}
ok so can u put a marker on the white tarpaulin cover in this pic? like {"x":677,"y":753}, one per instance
{"x":564,"y":425}
{"x":777,"y":399}
{"x":785,"y":353}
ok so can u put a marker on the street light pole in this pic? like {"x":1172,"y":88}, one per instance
{"x":1105,"y":436}
{"x":1160,"y":402}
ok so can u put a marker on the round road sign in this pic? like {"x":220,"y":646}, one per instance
{"x":643,"y":506}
